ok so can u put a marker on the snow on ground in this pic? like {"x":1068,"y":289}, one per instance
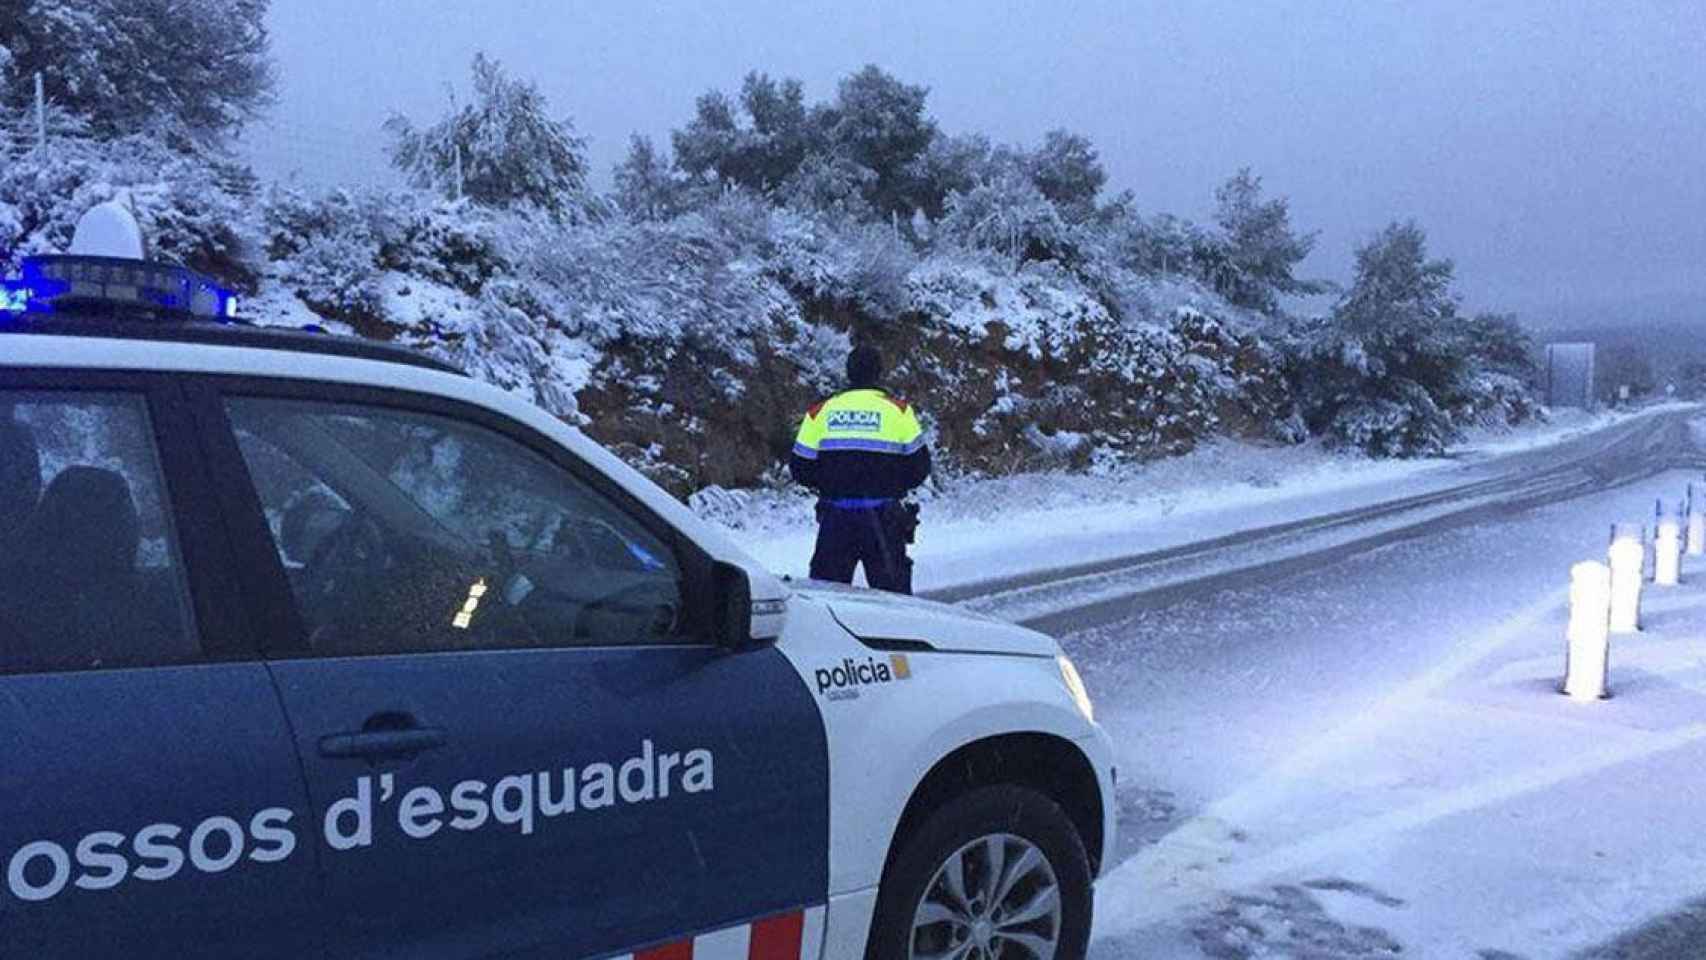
{"x":987,"y":528}
{"x":1372,"y":758}
{"x":281,"y":307}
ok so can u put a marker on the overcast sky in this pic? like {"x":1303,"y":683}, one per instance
{"x":1556,"y":149}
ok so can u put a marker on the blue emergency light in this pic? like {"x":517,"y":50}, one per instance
{"x":50,"y":283}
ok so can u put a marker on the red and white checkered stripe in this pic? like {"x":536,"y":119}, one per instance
{"x":789,"y":936}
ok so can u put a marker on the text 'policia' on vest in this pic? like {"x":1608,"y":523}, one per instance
{"x":862,"y":451}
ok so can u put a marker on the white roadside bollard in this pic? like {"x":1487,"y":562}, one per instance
{"x":1587,"y":653}
{"x":1667,"y":552}
{"x":1696,"y":521}
{"x":1625,"y":557}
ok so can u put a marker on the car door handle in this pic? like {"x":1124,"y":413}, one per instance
{"x":382,"y":744}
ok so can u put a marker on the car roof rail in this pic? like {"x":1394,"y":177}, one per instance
{"x":106,"y":322}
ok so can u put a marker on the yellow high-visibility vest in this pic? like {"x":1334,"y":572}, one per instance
{"x":865,"y":420}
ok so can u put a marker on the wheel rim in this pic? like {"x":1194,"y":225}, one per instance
{"x":996,"y":898}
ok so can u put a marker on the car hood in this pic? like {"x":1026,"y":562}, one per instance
{"x":877,"y":617}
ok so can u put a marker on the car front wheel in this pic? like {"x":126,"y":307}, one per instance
{"x":997,"y":874}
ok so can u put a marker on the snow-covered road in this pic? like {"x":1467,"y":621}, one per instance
{"x":1193,"y":558}
{"x":1370,"y":755}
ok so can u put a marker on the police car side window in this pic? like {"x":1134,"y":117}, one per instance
{"x":406,"y":532}
{"x":89,"y":570}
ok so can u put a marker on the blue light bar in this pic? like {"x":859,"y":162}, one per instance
{"x":47,"y":283}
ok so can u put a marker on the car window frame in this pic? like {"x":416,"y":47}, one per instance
{"x":283,"y":634}
{"x":217,"y":620}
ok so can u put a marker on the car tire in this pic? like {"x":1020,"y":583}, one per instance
{"x":1014,"y":827}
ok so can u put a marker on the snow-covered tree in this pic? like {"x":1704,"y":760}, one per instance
{"x":502,"y":147}
{"x":196,"y":68}
{"x":757,"y":143}
{"x":1254,"y":266}
{"x":708,"y":147}
{"x":766,"y":140}
{"x":1498,"y":341}
{"x":1379,"y":374}
{"x":1400,"y":296}
{"x":1395,"y":370}
{"x":879,"y":123}
{"x":1068,"y":172}
{"x":781,"y":133}
{"x":646,"y":187}
{"x":951,"y":164}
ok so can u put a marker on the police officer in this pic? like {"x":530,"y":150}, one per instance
{"x":862,"y":451}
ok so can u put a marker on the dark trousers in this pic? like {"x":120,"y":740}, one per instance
{"x":848,"y":538}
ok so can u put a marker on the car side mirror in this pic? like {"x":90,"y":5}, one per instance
{"x":733,"y":612}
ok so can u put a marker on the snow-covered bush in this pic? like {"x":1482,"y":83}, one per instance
{"x":833,"y":265}
{"x":1403,"y":423}
{"x":1492,"y":398}
{"x":1010,"y":216}
{"x":325,"y":247}
{"x":456,"y":244}
{"x":335,"y":249}
{"x":675,"y":284}
{"x":691,"y":344}
{"x":192,"y":204}
{"x":1036,"y":310}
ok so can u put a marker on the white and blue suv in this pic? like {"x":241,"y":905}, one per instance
{"x":314,"y":648}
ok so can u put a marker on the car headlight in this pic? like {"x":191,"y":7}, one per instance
{"x":1075,"y":686}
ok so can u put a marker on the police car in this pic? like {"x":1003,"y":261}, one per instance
{"x":314,"y":647}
